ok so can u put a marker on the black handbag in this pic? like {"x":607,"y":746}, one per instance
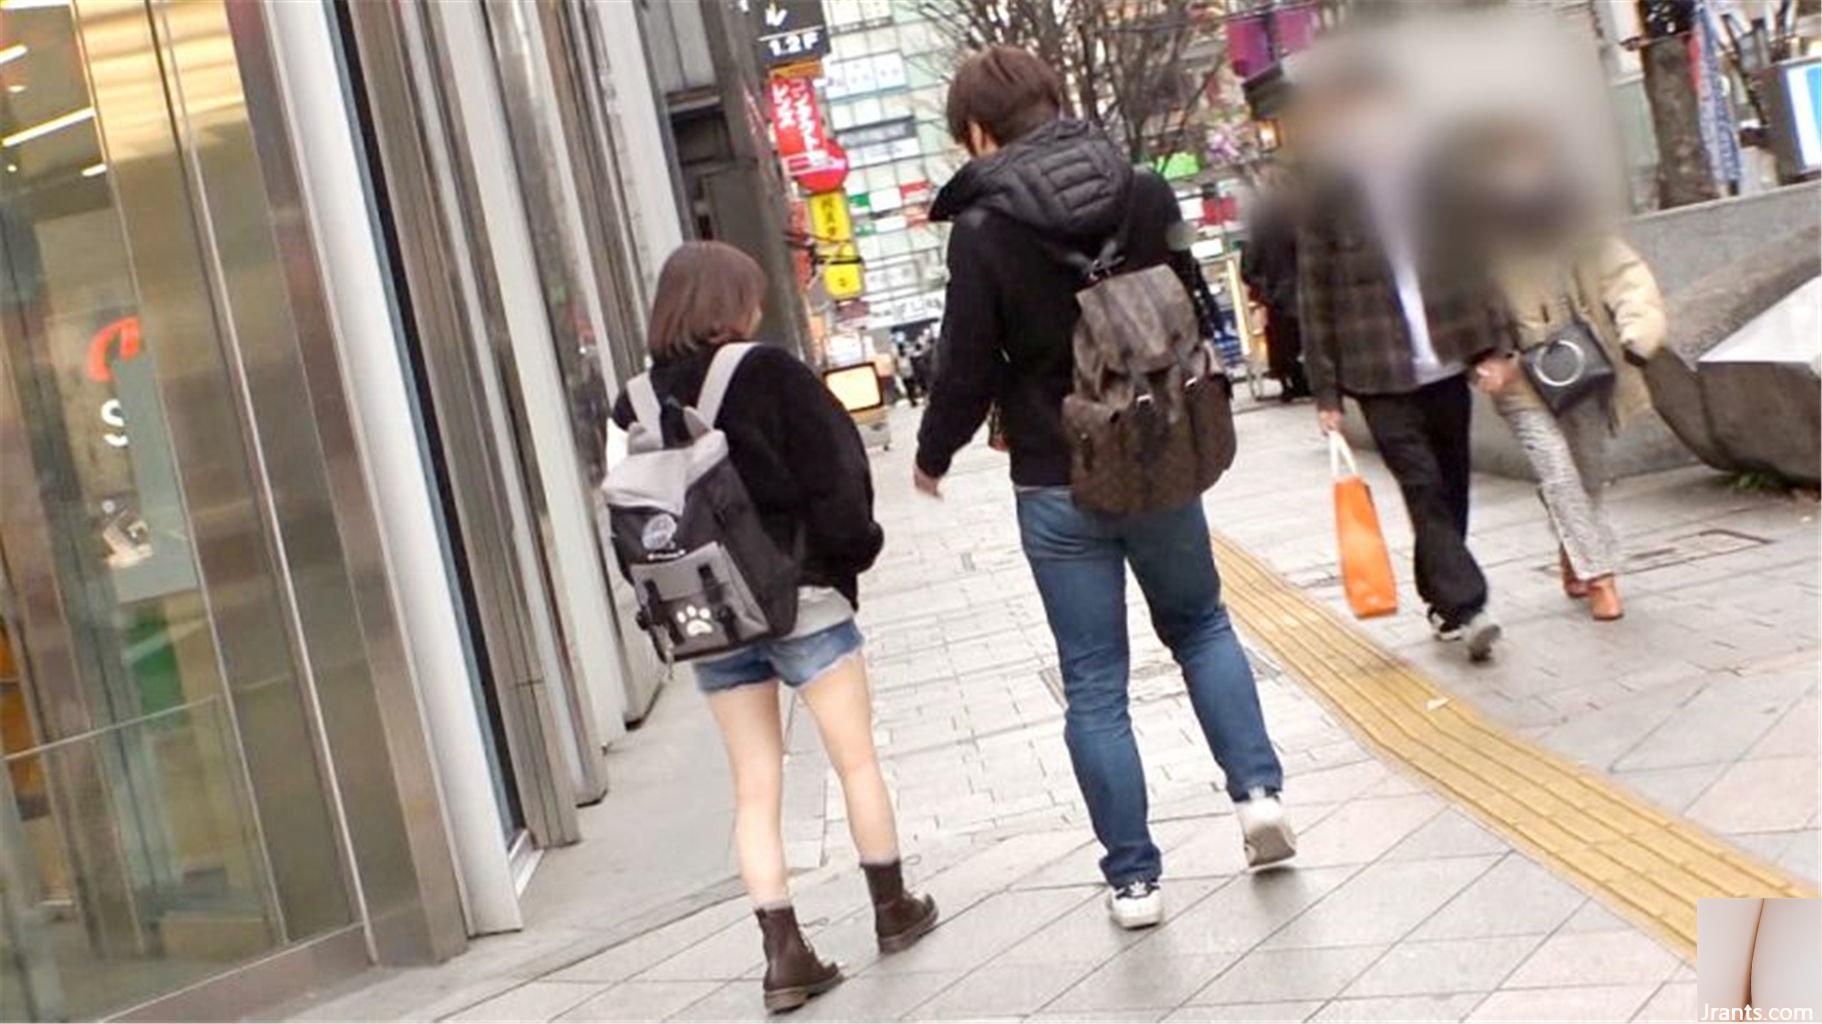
{"x":1570,"y":367}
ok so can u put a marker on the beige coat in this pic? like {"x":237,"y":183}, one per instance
{"x":1614,"y":292}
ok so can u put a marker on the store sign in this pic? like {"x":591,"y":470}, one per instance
{"x":1177,"y":166}
{"x":875,"y":134}
{"x":928,"y":306}
{"x":118,"y":340}
{"x":825,"y":170}
{"x":792,"y":31}
{"x":815,"y":160}
{"x":829,"y":219}
{"x":842,"y":275}
{"x":1803,"y":92}
{"x":833,"y":228}
{"x":811,"y":69}
{"x":796,"y":120}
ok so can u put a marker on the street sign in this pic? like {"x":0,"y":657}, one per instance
{"x":791,"y":31}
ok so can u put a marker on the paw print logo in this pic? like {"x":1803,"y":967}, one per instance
{"x":695,"y":621}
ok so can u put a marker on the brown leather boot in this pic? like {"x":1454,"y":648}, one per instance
{"x":793,"y":973}
{"x":1604,"y":599}
{"x":899,"y":918}
{"x":1574,"y":586}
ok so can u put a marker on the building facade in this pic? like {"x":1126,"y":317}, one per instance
{"x":884,"y":82}
{"x":309,"y":317}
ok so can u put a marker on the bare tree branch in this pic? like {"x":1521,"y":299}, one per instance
{"x":1139,"y":68}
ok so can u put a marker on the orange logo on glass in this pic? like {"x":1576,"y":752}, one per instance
{"x":121,"y":337}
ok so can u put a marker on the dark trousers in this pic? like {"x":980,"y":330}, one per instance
{"x":1423,"y":437}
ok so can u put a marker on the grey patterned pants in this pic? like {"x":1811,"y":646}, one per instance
{"x":1569,"y":454}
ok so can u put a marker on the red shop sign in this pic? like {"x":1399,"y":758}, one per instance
{"x":796,"y":121}
{"x":824,"y":170}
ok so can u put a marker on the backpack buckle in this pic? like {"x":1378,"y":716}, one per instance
{"x":1102,"y":268}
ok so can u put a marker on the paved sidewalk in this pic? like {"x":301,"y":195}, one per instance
{"x":1703,"y":699}
{"x":1400,"y":907}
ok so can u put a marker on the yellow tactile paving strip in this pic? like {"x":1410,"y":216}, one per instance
{"x":1637,"y":859}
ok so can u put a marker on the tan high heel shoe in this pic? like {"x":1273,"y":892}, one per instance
{"x":1604,"y":599}
{"x":1574,"y":586}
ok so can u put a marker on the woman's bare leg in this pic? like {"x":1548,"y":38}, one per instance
{"x":750,"y":727}
{"x":842,"y":704}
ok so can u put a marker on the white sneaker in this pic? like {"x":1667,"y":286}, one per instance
{"x":1269,"y":839}
{"x":1136,"y":904}
{"x":1481,"y":633}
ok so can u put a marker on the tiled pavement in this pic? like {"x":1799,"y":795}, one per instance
{"x":1400,"y":907}
{"x":1703,"y":699}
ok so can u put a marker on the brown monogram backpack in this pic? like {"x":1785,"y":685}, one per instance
{"x":1150,"y":420}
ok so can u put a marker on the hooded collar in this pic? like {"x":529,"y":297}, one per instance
{"x":1064,"y":179}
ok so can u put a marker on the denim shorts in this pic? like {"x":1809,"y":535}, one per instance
{"x":794,"y":660}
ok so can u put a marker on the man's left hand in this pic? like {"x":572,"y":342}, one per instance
{"x":931,"y":485}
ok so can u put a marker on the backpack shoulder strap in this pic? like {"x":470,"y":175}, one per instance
{"x":644,"y":400}
{"x":721,"y":373}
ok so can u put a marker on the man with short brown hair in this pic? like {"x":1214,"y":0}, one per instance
{"x":1040,"y":187}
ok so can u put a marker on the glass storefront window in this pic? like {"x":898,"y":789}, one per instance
{"x":134,"y":855}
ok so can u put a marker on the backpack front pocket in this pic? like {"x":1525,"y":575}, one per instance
{"x":698,"y":604}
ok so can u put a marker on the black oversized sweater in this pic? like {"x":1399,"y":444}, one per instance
{"x":797,"y":452}
{"x":1010,"y":310}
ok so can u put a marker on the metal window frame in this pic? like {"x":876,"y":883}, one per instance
{"x":448,"y":278}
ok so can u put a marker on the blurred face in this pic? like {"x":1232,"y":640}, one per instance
{"x":1377,"y":127}
{"x":1529,"y":193}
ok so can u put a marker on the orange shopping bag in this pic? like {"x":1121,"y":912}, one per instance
{"x":1366,"y":566}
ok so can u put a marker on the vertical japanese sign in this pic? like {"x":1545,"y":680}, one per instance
{"x":834,"y":231}
{"x":796,"y":121}
{"x":813,"y":158}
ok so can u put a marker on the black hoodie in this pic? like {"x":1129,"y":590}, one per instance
{"x":1011,"y":309}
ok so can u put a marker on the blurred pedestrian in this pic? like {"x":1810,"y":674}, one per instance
{"x":1269,"y":265}
{"x":923,"y":360}
{"x":1578,"y":296}
{"x":907,"y":374}
{"x":801,"y":460}
{"x":1399,"y":316}
{"x":921,"y":356}
{"x":1008,"y":325}
{"x":885,"y":365}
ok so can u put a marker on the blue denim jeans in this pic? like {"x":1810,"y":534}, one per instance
{"x":1080,"y":560}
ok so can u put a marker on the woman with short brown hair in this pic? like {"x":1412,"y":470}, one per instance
{"x":805,"y":470}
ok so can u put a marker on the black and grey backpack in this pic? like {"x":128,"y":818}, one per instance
{"x":686,"y":534}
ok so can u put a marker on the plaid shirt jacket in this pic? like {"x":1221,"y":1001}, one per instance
{"x":1355,"y":339}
